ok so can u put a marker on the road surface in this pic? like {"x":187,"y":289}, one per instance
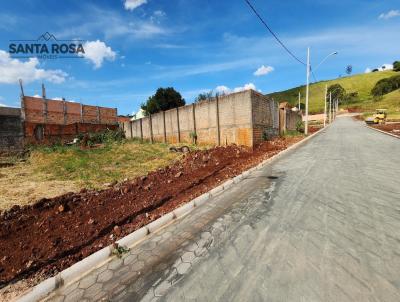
{"x":320,"y":224}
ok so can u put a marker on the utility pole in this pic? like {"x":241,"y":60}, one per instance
{"x":299,"y":100}
{"x":307,"y":90}
{"x":330,"y":107}
{"x":326,"y":96}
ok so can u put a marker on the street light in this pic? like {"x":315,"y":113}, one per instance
{"x":308,"y":82}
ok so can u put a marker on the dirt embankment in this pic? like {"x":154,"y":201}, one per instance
{"x":53,"y":234}
{"x":391,"y":128}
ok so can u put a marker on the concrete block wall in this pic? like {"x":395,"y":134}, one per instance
{"x":11,"y":131}
{"x":292,"y":118}
{"x":206,"y":122}
{"x":265,"y":116}
{"x":235,"y":119}
{"x":240,"y":118}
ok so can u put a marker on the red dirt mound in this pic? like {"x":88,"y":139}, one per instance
{"x":53,"y":234}
{"x":391,"y":128}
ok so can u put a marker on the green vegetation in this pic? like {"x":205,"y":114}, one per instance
{"x":96,"y":166}
{"x":204,"y":96}
{"x":359,"y":86}
{"x":396,"y":66}
{"x":386,"y":86}
{"x":164,"y":99}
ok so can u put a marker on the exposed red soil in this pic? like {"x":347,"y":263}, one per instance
{"x":391,"y":128}
{"x":53,"y":234}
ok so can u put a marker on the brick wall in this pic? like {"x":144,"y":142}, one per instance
{"x":38,"y":110}
{"x":39,"y":133}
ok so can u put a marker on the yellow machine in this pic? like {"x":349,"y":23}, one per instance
{"x":378,"y":118}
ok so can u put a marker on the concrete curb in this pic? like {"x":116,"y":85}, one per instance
{"x":384,"y":132}
{"x":83,"y":267}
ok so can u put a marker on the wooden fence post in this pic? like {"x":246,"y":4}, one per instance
{"x":179,"y":129}
{"x":165,"y":129}
{"x":218,"y":130}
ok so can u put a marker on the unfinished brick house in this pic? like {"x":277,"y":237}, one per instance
{"x":50,"y":121}
{"x":243,"y":118}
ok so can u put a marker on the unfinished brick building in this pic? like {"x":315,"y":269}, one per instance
{"x":50,"y":121}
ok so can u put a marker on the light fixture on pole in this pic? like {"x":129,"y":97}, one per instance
{"x":307,"y":89}
{"x":326,"y":96}
{"x":308,"y":85}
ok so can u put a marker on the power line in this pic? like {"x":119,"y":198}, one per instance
{"x":272,"y":33}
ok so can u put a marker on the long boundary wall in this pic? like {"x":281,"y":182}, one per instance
{"x":240,"y":118}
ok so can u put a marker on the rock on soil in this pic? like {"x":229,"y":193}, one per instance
{"x":51,"y":235}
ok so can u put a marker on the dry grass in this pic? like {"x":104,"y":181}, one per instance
{"x":53,"y":171}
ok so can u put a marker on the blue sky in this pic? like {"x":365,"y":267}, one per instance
{"x":135,"y":46}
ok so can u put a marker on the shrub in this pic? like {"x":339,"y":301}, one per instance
{"x":300,"y":126}
{"x":386,"y":86}
{"x":107,"y":136}
{"x":396,"y":66}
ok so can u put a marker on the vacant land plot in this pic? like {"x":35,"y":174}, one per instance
{"x":46,"y":237}
{"x":52,"y":171}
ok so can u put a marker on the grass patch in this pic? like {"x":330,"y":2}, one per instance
{"x":52,"y":171}
{"x":361,"y":83}
{"x":94,"y":167}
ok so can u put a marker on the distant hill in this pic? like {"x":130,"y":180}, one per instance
{"x":361,"y":83}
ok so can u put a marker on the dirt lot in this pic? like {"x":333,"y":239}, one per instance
{"x":37,"y":241}
{"x":52,"y":171}
{"x":391,"y":128}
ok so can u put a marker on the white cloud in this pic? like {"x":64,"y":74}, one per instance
{"x":97,"y":51}
{"x":132,"y":4}
{"x":390,"y":14}
{"x":61,"y":99}
{"x":222,"y":89}
{"x":159,"y":13}
{"x":226,"y":90}
{"x":245,"y":87}
{"x":263,"y":70}
{"x":3,"y":105}
{"x":37,"y":96}
{"x":13,"y":69}
{"x":368,"y":70}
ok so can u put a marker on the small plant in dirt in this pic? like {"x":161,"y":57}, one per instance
{"x":300,"y":126}
{"x":193,"y":136}
{"x":119,"y":250}
{"x":265,"y":136}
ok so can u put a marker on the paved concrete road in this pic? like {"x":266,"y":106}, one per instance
{"x":320,"y":224}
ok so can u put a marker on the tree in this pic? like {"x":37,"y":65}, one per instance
{"x":204,"y":96}
{"x":396,"y":66}
{"x":375,"y":70}
{"x":338,"y":92}
{"x":164,"y":99}
{"x":349,"y":69}
{"x":385,"y":86}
